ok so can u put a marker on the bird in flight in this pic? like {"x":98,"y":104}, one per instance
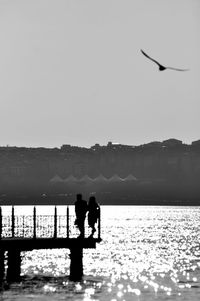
{"x":161,"y":67}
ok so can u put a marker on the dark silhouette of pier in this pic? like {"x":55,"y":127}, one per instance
{"x":28,"y":232}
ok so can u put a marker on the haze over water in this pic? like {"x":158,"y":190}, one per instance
{"x":147,"y":253}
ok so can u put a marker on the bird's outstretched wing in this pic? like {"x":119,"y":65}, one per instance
{"x":177,"y":69}
{"x":161,"y":67}
{"x":150,"y":58}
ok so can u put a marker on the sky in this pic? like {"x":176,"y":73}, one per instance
{"x":71,"y":72}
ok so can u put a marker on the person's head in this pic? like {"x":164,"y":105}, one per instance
{"x":92,"y":200}
{"x":79,"y":197}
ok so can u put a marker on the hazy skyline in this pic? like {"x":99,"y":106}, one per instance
{"x":71,"y":72}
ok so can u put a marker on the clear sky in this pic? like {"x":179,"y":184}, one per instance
{"x":71,"y":71}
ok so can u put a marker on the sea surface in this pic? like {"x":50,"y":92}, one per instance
{"x":146,"y":253}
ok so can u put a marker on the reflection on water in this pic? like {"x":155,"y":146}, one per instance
{"x":147,"y":253}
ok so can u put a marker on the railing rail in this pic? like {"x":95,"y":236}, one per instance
{"x":42,"y":226}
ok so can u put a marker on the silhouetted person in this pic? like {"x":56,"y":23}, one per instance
{"x":93,"y":213}
{"x":81,"y":209}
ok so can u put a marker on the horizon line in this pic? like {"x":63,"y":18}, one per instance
{"x":98,"y":144}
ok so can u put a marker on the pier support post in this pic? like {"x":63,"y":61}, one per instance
{"x":14,"y":265}
{"x":2,"y":265}
{"x":76,"y":264}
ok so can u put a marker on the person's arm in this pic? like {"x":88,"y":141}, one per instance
{"x":76,"y":209}
{"x":86,"y":208}
{"x":97,"y":210}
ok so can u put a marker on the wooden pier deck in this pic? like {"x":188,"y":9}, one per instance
{"x":29,"y":244}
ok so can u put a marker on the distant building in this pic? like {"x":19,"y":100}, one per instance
{"x":95,"y":147}
{"x":172,"y":142}
{"x":112,"y":145}
{"x":66,"y":147}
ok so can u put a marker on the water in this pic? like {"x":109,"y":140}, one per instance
{"x":147,"y":253}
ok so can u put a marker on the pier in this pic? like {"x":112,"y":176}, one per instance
{"x":28,"y":232}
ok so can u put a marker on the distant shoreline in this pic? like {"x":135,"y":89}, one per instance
{"x":56,"y":200}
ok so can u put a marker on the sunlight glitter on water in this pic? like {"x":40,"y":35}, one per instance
{"x":153,"y":249}
{"x":147,"y":253}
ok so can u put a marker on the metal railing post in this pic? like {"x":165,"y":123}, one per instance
{"x":34,"y":222}
{"x":55,"y":222}
{"x":23,"y":225}
{"x":13,"y":221}
{"x":67,"y":222}
{"x":0,"y":222}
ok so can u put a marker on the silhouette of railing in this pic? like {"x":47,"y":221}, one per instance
{"x":42,"y":226}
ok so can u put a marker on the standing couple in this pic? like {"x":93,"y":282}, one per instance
{"x":81,"y":208}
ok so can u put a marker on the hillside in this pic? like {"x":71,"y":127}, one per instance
{"x":166,"y":172}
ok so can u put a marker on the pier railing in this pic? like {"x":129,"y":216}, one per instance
{"x":43,"y":226}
